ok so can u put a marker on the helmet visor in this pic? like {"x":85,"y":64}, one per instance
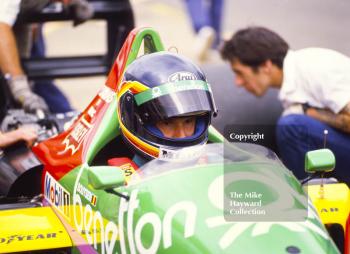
{"x":175,"y":99}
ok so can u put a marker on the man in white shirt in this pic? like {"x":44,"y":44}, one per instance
{"x":10,"y":64}
{"x":314,"y":88}
{"x":17,"y":41}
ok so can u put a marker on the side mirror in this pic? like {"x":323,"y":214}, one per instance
{"x":106,"y":177}
{"x":322,"y":160}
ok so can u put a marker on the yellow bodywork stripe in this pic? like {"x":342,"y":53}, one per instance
{"x":334,"y":207}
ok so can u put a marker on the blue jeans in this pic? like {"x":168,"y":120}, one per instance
{"x":298,"y":134}
{"x":206,"y":13}
{"x":55,"y":99}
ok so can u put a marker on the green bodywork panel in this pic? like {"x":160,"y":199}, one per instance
{"x":106,"y":177}
{"x":151,"y":42}
{"x":322,"y":160}
{"x":179,"y":212}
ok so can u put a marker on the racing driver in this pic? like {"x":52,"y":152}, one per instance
{"x":165,"y":106}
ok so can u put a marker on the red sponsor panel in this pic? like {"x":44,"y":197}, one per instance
{"x":67,"y":150}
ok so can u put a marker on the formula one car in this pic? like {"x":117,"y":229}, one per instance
{"x":223,"y":198}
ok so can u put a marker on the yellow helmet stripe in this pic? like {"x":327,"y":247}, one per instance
{"x":151,"y":150}
{"x":135,"y":86}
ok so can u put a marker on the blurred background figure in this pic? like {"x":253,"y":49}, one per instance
{"x":17,"y":41}
{"x":314,"y":88}
{"x":206,"y":17}
{"x":56,"y":100}
{"x":10,"y":61}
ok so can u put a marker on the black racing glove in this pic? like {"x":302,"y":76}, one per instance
{"x":20,"y":89}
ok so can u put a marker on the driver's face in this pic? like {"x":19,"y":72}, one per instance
{"x":179,"y":127}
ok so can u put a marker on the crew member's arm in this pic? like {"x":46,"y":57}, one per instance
{"x":339,"y":121}
{"x":9,"y":57}
{"x":11,"y":67}
{"x":26,"y":134}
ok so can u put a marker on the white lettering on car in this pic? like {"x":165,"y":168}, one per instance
{"x":91,"y":223}
{"x":162,"y":228}
{"x":74,"y":139}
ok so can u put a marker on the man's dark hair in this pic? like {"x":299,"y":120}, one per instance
{"x":255,"y":45}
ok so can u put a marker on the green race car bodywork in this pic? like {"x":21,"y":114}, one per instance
{"x":187,"y":206}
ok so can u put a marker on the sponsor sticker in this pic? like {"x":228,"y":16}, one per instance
{"x":181,"y":76}
{"x":30,"y":237}
{"x":88,"y":195}
{"x":170,"y":88}
{"x":57,"y":195}
{"x":180,"y":154}
{"x":76,"y":137}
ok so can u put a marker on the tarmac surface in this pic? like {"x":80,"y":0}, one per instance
{"x":321,"y":23}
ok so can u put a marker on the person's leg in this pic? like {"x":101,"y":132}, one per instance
{"x":216,"y":19}
{"x":199,"y":13}
{"x":55,"y":99}
{"x":53,"y":96}
{"x":24,"y":39}
{"x":298,"y":134}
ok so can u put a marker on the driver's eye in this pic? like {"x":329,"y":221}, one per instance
{"x":166,"y":122}
{"x":189,"y":120}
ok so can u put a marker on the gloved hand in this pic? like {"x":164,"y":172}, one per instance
{"x":82,"y":10}
{"x":20,"y":89}
{"x":34,"y":102}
